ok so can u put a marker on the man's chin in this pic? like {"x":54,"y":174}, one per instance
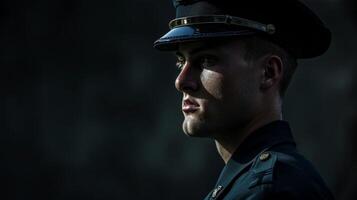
{"x":193,"y":134}
{"x":193,"y":128}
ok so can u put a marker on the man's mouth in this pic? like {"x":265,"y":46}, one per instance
{"x":189,"y":106}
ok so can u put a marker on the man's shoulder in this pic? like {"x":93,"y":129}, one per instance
{"x":280,"y":174}
{"x":283,"y":168}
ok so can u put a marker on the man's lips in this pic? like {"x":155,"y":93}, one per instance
{"x":189,"y":106}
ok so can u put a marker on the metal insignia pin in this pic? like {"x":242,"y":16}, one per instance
{"x":216,"y":191}
{"x":264,"y":156}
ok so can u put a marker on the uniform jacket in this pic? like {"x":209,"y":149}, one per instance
{"x":267,"y":166}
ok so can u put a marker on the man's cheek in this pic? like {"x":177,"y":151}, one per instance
{"x":214,"y":87}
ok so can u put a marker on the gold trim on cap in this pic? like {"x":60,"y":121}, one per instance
{"x":221,"y":19}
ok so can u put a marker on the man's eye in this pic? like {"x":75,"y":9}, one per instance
{"x":207,"y":62}
{"x":180,"y":63}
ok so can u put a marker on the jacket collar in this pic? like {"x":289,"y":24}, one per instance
{"x":272,"y":134}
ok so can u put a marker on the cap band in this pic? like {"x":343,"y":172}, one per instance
{"x":222,"y":19}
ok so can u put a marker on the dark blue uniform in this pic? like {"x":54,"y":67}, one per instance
{"x":268,"y":166}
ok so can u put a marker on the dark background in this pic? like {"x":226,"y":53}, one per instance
{"x":88,"y":108}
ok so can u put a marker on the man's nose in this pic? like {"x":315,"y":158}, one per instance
{"x":187,"y":79}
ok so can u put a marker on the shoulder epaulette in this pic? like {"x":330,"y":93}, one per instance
{"x":263,"y":168}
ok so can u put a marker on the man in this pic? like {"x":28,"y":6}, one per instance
{"x":236,"y":58}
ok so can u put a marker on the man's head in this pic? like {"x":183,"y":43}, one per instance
{"x":237,"y":58}
{"x":228,"y":83}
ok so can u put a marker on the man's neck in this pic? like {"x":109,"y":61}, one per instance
{"x":226,"y":146}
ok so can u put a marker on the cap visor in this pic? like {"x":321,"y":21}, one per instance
{"x":183,"y":34}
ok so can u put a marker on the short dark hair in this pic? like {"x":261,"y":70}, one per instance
{"x":256,"y":47}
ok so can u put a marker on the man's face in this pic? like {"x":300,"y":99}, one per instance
{"x":221,"y":90}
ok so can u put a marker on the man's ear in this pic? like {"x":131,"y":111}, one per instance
{"x":272,"y":72}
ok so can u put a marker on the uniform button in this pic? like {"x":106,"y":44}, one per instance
{"x":264,"y":156}
{"x":216,"y":191}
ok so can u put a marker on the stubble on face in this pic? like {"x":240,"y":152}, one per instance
{"x":201,"y":122}
{"x":225,"y":93}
